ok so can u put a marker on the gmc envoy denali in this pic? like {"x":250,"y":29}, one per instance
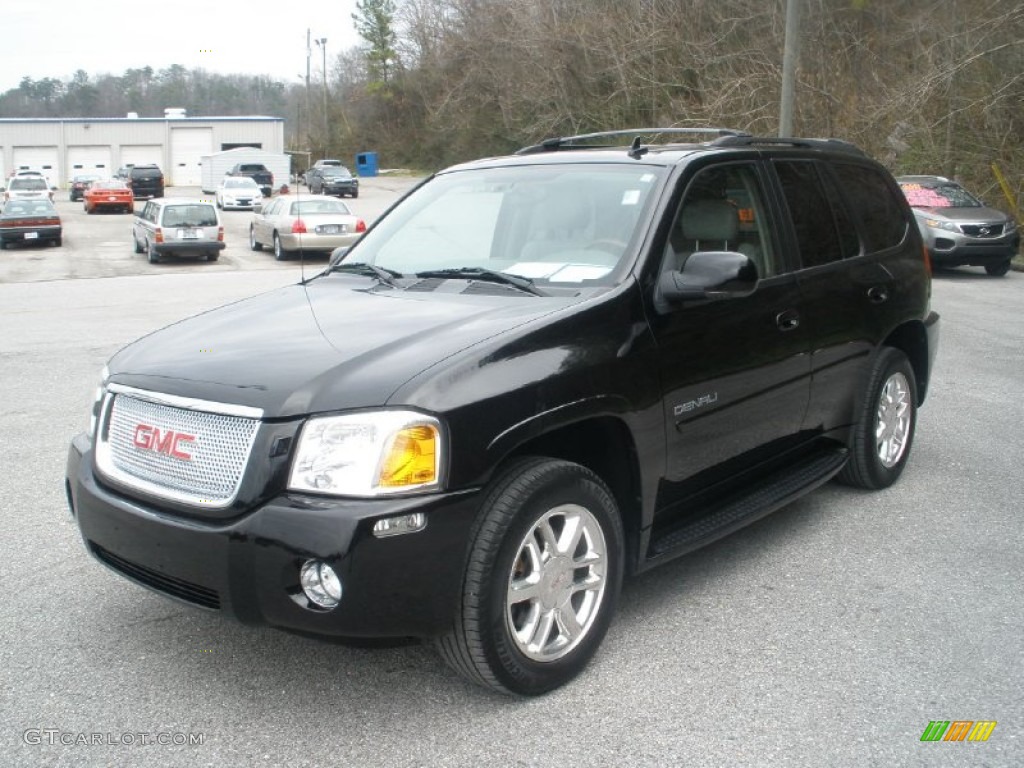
{"x":533,"y":376}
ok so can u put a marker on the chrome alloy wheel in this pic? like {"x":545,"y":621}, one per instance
{"x":557,"y":583}
{"x":892,"y":421}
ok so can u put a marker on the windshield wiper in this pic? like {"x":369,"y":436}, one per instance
{"x":487,"y":275}
{"x":386,"y":276}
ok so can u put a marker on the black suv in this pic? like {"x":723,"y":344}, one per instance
{"x":146,"y":181}
{"x":531,"y":377}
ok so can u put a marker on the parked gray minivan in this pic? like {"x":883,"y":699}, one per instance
{"x":173,"y":226}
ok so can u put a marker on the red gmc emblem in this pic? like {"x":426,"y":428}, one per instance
{"x":168,"y":441}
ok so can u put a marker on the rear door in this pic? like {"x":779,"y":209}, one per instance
{"x":847,"y":225}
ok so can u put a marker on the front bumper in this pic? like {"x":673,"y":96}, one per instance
{"x":953,"y":249}
{"x":248,"y":567}
{"x":341,"y":189}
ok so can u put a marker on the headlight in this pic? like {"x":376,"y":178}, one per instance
{"x":947,"y":225}
{"x":97,"y":401}
{"x":1010,"y":225}
{"x":368,"y":454}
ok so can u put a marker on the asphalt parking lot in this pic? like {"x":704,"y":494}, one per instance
{"x":100,"y":245}
{"x":828,"y":634}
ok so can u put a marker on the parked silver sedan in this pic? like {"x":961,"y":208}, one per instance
{"x":291,"y":223}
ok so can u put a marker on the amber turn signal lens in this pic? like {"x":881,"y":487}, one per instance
{"x":411,"y":459}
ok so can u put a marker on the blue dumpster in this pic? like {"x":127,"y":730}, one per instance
{"x":366,"y":163}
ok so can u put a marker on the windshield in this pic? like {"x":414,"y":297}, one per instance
{"x":335,"y":171}
{"x":939,"y":196}
{"x":240,"y":184}
{"x":550,"y":223}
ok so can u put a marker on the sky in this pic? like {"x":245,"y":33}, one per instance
{"x":53,"y":38}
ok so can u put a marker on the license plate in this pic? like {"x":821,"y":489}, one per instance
{"x":331,"y":229}
{"x":31,"y":235}
{"x":188,"y":234}
{"x":112,"y":199}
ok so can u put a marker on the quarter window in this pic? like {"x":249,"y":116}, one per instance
{"x":881,"y":212}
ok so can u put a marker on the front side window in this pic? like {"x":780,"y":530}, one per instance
{"x":723,"y":210}
{"x":550,"y":223}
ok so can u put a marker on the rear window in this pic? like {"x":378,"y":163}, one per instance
{"x":28,"y":183}
{"x":318,"y":206}
{"x":189,"y":216}
{"x":146,"y":173}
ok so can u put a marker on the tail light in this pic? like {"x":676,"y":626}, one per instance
{"x":299,"y":227}
{"x":220,"y":234}
{"x":360,"y":225}
{"x":158,"y":235}
{"x":927,"y":259}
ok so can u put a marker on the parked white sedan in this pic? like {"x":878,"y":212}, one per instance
{"x":238,"y":192}
{"x":291,"y":223}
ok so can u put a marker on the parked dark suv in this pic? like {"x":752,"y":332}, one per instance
{"x":531,"y":377}
{"x":146,"y":181}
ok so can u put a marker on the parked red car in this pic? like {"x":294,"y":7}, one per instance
{"x":108,"y":194}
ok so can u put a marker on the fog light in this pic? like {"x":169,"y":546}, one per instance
{"x":396,"y":526}
{"x":320,"y":583}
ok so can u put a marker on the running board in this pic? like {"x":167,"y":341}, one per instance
{"x":764,"y":497}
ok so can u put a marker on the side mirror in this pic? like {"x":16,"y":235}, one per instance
{"x":709,"y":276}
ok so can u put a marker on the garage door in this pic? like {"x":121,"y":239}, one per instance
{"x":142,"y":154}
{"x":42,"y":159}
{"x":95,"y":159}
{"x":188,"y":145}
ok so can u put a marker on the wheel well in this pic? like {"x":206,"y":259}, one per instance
{"x":912,"y":340}
{"x":605,"y":447}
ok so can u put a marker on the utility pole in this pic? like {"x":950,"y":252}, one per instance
{"x":791,"y":50}
{"x":322,"y":42}
{"x":309,"y":114}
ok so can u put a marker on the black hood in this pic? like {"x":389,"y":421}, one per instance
{"x":334,"y":343}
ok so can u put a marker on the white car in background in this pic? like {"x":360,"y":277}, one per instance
{"x":28,"y":186}
{"x":238,"y":192}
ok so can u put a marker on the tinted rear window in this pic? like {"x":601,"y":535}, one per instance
{"x":874,"y":201}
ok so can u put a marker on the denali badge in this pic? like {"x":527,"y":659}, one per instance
{"x":692,"y":405}
{"x":168,"y":442}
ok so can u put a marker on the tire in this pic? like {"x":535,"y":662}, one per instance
{"x":58,"y":242}
{"x":279,"y":252}
{"x":153,"y":256}
{"x":212,"y":256}
{"x":253,"y":244}
{"x":537,"y":599}
{"x":998,"y":270}
{"x":135,"y":242}
{"x":355,"y":194}
{"x":884,"y":431}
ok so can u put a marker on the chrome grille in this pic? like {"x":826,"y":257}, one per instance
{"x":176,"y":448}
{"x":982,"y":230}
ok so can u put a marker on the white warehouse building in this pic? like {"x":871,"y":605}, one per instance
{"x":61,"y":148}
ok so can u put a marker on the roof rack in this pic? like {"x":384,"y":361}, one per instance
{"x":748,"y":140}
{"x":636,"y":149}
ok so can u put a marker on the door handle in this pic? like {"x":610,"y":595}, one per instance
{"x":877,"y":294}
{"x":788,"y":320}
